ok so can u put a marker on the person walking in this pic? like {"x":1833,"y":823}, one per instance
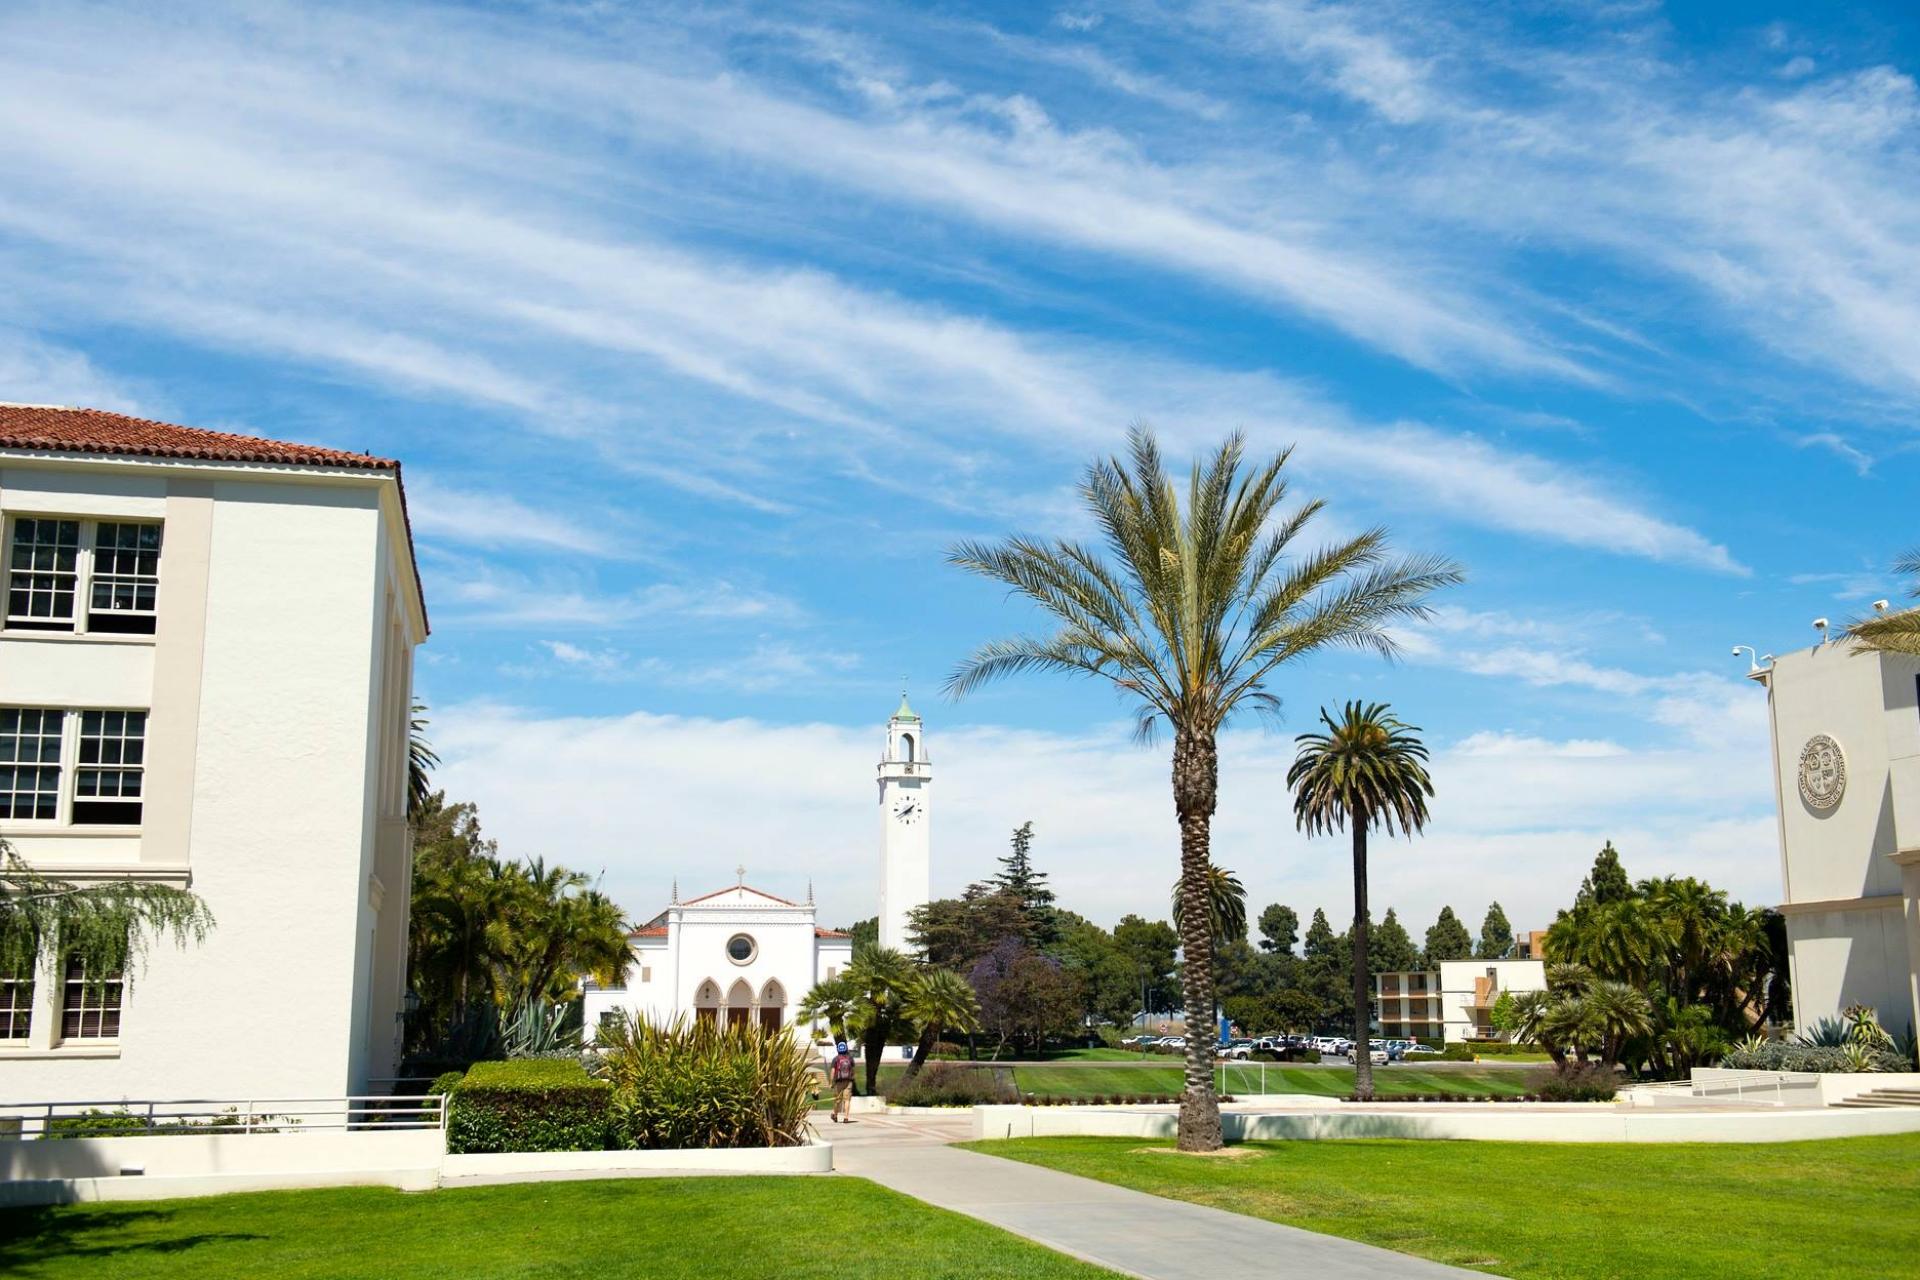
{"x":841,"y":1073}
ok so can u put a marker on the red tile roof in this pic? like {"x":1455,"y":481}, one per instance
{"x":818,"y":932}
{"x":63,"y":430}
{"x":60,"y":429}
{"x":649,"y":931}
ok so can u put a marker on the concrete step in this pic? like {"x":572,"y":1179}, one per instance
{"x":1883,"y":1098}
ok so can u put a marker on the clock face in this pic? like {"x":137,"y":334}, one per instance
{"x":909,"y":809}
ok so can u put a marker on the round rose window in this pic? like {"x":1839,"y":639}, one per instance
{"x":740,"y":948}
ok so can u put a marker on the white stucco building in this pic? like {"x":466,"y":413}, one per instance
{"x":744,"y":955}
{"x":738,"y":955}
{"x":205,"y":680}
{"x":1453,"y":1002}
{"x":1846,"y":750}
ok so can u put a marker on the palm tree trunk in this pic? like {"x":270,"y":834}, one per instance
{"x":875,"y":1049}
{"x":928,"y":1038}
{"x":1362,"y":1057}
{"x":1196,"y":785}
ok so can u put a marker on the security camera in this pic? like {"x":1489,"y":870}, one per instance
{"x":1819,"y":624}
{"x":1737,"y":649}
{"x":1880,"y":606}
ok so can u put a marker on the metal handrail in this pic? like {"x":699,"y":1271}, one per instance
{"x":42,"y":1120}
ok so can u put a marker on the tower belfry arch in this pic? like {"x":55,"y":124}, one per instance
{"x":906,"y":823}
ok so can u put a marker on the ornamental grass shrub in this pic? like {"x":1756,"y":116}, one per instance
{"x":945,"y":1084}
{"x":1755,"y":1054}
{"x":1575,"y":1082}
{"x":694,"y":1084}
{"x":529,"y":1105}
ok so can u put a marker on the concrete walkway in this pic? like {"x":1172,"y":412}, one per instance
{"x":1128,"y":1231}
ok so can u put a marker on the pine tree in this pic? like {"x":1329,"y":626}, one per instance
{"x":1448,"y":939}
{"x":1496,"y":935}
{"x":1018,"y":878}
{"x":1322,"y":942}
{"x":1279,"y":929}
{"x":1389,"y":948}
{"x":1607,"y":882}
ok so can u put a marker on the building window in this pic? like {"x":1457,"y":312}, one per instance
{"x":16,"y":1007}
{"x":112,"y":764}
{"x":30,"y":763}
{"x":113,"y":565}
{"x":90,"y":1007}
{"x":741,"y":948}
{"x":43,"y":573}
{"x":126,"y":577}
{"x":646,"y":973}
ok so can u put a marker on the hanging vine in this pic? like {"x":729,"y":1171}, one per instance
{"x":107,"y":927}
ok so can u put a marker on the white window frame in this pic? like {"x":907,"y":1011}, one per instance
{"x":69,"y":766}
{"x":119,"y":984}
{"x":83,"y":578}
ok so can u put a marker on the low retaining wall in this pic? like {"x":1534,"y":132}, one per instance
{"x":168,"y":1166}
{"x":518,"y":1166}
{"x":1481,"y":1122}
{"x":162,"y":1166}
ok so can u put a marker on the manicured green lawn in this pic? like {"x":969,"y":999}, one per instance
{"x":1246,"y":1078}
{"x":829,"y":1228}
{"x":1543,"y":1211}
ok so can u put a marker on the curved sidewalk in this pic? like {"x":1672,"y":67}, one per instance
{"x":1128,"y":1231}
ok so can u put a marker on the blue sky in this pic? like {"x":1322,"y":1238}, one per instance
{"x":703,"y":334}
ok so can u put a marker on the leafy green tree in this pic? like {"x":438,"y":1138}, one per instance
{"x":1018,"y":879}
{"x":864,"y":933}
{"x":1367,"y":768}
{"x":1607,"y":882}
{"x":1108,"y":991}
{"x":1322,"y":942}
{"x":1025,"y":996}
{"x":939,"y":1001}
{"x":952,"y":933}
{"x":1895,"y":632}
{"x":831,"y":1002}
{"x":1504,"y":1017}
{"x":1191,"y":611}
{"x":1279,"y":928}
{"x":108,"y":927}
{"x":1390,"y":949}
{"x":1151,"y":948}
{"x":1496,"y":935}
{"x":1448,"y":939}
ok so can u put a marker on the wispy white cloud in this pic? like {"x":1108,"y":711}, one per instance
{"x":485,"y":519}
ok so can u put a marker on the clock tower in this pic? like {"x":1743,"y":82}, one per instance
{"x":906,"y":836}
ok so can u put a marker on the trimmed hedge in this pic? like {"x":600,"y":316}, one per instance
{"x":943,"y":1084}
{"x":1501,"y":1048}
{"x":1452,"y":1053}
{"x":529,"y":1104}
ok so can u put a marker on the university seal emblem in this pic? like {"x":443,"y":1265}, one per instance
{"x":1823,"y":772}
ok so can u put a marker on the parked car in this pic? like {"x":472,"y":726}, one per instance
{"x":1421,"y":1050}
{"x":1241,"y":1049}
{"x":1171,"y":1042}
{"x":1375,"y":1054}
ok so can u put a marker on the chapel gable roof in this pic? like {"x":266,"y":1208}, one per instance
{"x":739,"y":895}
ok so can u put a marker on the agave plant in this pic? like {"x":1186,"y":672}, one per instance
{"x":536,"y":1029}
{"x":1825,"y":1033}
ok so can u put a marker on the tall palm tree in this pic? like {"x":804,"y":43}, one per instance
{"x":1190,"y":611}
{"x":1897,"y":632}
{"x":1367,"y":768}
{"x":879,"y":979}
{"x":421,"y":760}
{"x":940,"y":1001}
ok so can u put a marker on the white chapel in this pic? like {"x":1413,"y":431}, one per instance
{"x":741,"y":955}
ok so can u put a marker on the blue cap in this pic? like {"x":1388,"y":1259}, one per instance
{"x":840,"y":1045}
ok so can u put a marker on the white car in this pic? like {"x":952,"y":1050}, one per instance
{"x":1375,"y":1053}
{"x":1238,"y":1049}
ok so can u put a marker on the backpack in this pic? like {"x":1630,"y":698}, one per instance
{"x":842,"y":1067}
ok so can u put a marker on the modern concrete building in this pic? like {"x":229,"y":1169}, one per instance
{"x":1454,"y":1002}
{"x":206,"y":662}
{"x":1846,"y":751}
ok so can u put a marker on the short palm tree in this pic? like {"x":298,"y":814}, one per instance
{"x":940,"y":1001}
{"x":880,"y":979}
{"x":1226,"y":905}
{"x":1366,"y":769}
{"x":1190,"y":611}
{"x":1897,"y":632}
